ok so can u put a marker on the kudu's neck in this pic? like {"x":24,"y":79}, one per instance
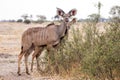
{"x":62,"y":29}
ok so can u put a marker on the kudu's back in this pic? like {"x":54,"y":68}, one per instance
{"x":39,"y":36}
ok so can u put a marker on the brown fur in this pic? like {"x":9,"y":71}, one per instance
{"x":50,"y":24}
{"x":34,"y":39}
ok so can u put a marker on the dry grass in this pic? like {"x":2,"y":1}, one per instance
{"x":10,"y":42}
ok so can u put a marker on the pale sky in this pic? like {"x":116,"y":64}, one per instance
{"x":13,"y":9}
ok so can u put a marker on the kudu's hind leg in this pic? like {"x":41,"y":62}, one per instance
{"x":36,"y":54}
{"x":19,"y":61}
{"x":26,"y":60}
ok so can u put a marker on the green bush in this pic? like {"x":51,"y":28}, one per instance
{"x":27,"y":21}
{"x":94,"y":55}
{"x":19,"y":20}
{"x":66,"y":57}
{"x":102,"y":59}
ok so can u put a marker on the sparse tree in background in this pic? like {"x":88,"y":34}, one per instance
{"x":94,"y":17}
{"x":41,"y":18}
{"x":98,"y":6}
{"x":25,"y":16}
{"x":115,"y":12}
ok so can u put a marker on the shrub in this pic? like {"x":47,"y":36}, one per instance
{"x":102,"y":60}
{"x":19,"y":20}
{"x":67,"y":56}
{"x":94,"y":55}
{"x":27,"y":21}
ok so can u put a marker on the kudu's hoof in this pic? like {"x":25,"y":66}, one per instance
{"x":27,"y":73}
{"x":18,"y":74}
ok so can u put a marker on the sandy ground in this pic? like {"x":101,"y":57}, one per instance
{"x":10,"y":39}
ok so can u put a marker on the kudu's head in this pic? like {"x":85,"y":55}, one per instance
{"x":67,"y":16}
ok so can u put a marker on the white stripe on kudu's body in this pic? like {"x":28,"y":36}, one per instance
{"x":34,"y":39}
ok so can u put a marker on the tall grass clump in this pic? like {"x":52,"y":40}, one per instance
{"x":66,"y":57}
{"x":101,"y":58}
{"x":94,"y":55}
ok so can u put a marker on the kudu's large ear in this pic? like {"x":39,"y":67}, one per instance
{"x":60,"y":12}
{"x":72,"y":12}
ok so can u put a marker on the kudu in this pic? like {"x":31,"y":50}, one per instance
{"x":35,"y":39}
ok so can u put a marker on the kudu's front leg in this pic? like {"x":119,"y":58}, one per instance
{"x":36,"y":54}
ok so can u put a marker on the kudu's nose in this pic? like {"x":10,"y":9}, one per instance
{"x":66,"y":20}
